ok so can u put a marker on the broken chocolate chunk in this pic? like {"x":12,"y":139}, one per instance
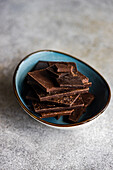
{"x":43,"y":79}
{"x":53,"y":114}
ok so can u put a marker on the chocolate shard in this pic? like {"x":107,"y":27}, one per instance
{"x":64,"y":100}
{"x":58,"y":114}
{"x":87,"y":98}
{"x":70,"y":81}
{"x":53,"y":73}
{"x":48,"y":107}
{"x":75,"y":116}
{"x":65,"y":66}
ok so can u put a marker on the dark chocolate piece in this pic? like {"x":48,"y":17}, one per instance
{"x":64,"y":100}
{"x":76,"y":114}
{"x":70,"y":81}
{"x":87,"y":98}
{"x":73,"y":81}
{"x":65,"y":66}
{"x":46,"y":108}
{"x":54,"y":114}
{"x":43,"y":79}
{"x":68,"y":93}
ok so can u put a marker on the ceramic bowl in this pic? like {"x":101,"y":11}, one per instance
{"x":99,"y":88}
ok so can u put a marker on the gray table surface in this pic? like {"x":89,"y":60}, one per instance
{"x":82,"y":28}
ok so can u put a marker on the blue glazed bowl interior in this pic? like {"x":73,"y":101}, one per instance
{"x":99,"y":87}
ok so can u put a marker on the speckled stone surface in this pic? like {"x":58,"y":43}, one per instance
{"x":82,"y":28}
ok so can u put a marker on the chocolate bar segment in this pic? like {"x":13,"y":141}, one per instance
{"x":54,"y":114}
{"x":70,"y":81}
{"x":43,"y":79}
{"x":67,"y":93}
{"x":65,"y":100}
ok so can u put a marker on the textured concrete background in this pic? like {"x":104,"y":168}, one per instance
{"x":83,"y":28}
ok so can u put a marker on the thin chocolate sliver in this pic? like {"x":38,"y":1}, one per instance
{"x":63,"y":93}
{"x":54,"y":114}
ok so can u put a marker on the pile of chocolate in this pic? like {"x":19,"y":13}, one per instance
{"x":58,"y":89}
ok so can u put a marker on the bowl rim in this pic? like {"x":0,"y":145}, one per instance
{"x":49,"y":123}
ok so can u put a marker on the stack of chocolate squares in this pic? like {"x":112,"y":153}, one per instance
{"x":58,"y":89}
